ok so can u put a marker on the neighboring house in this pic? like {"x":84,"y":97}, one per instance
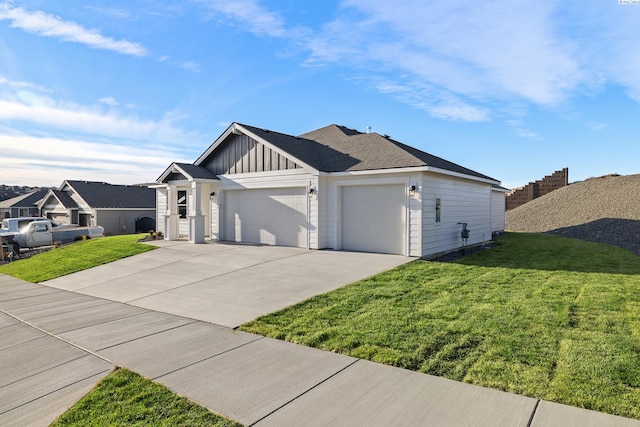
{"x":23,"y":205}
{"x":332,"y":188}
{"x":120,"y":209}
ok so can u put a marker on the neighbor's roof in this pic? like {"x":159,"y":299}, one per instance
{"x":336,"y":148}
{"x":24,"y":200}
{"x":64,"y":198}
{"x":101,"y":195}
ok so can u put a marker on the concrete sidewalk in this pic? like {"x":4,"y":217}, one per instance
{"x":57,"y":344}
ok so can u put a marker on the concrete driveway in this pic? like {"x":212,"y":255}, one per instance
{"x":224,"y":283}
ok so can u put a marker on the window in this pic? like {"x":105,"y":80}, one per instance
{"x":438,"y":210}
{"x":39,"y":228}
{"x":182,"y":203}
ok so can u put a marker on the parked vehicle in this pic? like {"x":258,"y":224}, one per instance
{"x":14,"y":225}
{"x":44,"y":233}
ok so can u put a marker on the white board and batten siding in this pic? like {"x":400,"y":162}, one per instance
{"x":461,"y":201}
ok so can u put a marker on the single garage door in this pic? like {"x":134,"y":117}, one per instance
{"x":60,"y":218}
{"x":373,"y":218}
{"x":274,"y":216}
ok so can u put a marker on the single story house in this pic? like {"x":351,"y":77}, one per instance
{"x":332,"y":188}
{"x":120,"y":209}
{"x":22,"y":205}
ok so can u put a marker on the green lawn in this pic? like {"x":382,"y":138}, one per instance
{"x":127,"y":399}
{"x":75,"y":257}
{"x":539,"y":315}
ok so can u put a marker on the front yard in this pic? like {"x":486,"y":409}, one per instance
{"x":75,"y":257}
{"x":543,"y":316}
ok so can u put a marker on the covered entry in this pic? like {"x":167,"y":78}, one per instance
{"x":273,"y":216}
{"x":373,"y":218}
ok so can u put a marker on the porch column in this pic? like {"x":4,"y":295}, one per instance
{"x":196,"y":219}
{"x":171,"y":225}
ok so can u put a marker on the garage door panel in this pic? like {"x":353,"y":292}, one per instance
{"x":267,"y":216}
{"x":60,"y":218}
{"x":373,"y":218}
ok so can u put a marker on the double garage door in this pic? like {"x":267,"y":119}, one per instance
{"x":273,"y":216}
{"x":373,"y":218}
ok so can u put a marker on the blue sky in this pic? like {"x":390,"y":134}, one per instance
{"x":116,"y":91}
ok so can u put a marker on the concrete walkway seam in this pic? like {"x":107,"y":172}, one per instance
{"x":146,"y":336}
{"x":304,"y":392}
{"x":258,"y":338}
{"x":56,"y":390}
{"x":57,"y":337}
{"x":533,"y":414}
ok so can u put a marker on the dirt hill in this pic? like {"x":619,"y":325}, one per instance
{"x":603,"y":210}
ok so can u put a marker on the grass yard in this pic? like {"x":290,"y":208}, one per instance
{"x":542,"y":316}
{"x":75,"y":257}
{"x":127,"y":399}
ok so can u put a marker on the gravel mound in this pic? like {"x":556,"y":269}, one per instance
{"x":603,"y":210}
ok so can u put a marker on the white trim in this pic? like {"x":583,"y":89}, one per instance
{"x":265,"y":174}
{"x":410,"y":170}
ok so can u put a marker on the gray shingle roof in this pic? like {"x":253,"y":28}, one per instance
{"x":380,"y":152}
{"x":28,"y":200}
{"x":65,"y":199}
{"x":107,"y":196}
{"x":339,"y":149}
{"x":196,"y":172}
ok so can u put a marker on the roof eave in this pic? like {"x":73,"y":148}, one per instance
{"x":412,"y":169}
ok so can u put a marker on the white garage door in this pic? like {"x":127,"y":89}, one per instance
{"x":373,"y":218}
{"x":60,"y":218}
{"x":274,"y":216}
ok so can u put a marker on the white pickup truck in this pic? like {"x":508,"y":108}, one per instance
{"x":44,"y":233}
{"x":14,"y":225}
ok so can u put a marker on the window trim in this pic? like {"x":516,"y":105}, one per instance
{"x":182,"y":207}
{"x":438,"y":209}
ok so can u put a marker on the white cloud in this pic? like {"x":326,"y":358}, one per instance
{"x":61,"y":140}
{"x":47,"y":25}
{"x":597,"y":126}
{"x":465,"y":61}
{"x":190,"y":65}
{"x":110,"y":101}
{"x":522,"y":132}
{"x":49,"y":161}
{"x":44,"y":112}
{"x":485,"y":52}
{"x":258,"y":20}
